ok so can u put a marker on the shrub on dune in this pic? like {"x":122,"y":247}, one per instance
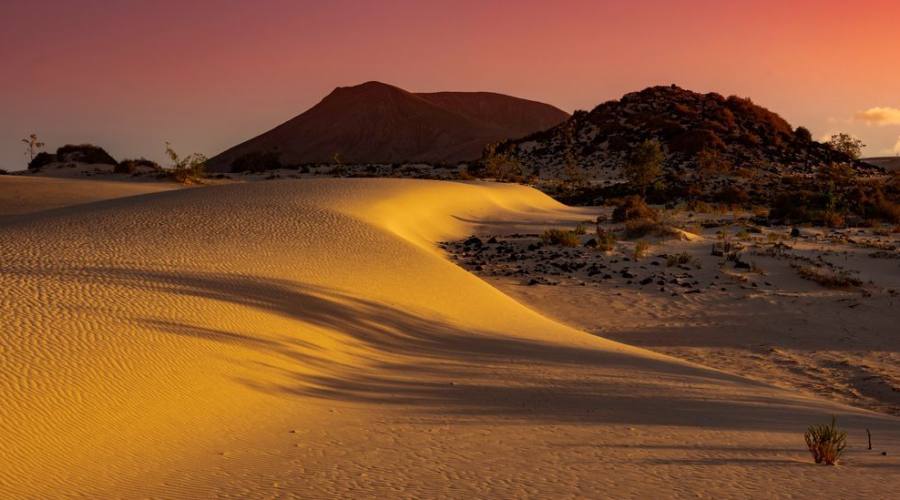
{"x":826,"y":443}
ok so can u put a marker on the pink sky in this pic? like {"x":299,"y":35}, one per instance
{"x":130,"y":74}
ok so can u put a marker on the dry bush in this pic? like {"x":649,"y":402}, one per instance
{"x":827,"y":277}
{"x":560,"y":237}
{"x":640,"y":250}
{"x":826,"y":443}
{"x":700,"y":207}
{"x":641,"y":228}
{"x":833,"y":219}
{"x":681,"y":259}
{"x":606,"y":241}
{"x":633,"y":207}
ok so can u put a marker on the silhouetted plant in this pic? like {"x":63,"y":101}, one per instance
{"x":187,"y":169}
{"x":32,"y":145}
{"x":847,"y":144}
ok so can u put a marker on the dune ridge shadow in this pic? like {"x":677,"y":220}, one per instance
{"x":430,"y":365}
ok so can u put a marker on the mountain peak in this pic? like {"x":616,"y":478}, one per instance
{"x":375,"y":122}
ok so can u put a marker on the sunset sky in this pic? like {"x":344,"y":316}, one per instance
{"x":131,"y":74}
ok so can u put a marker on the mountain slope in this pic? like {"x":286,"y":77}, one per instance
{"x":730,"y":131}
{"x":379,"y":123}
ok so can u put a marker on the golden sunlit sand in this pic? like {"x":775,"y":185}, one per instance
{"x":308,"y":339}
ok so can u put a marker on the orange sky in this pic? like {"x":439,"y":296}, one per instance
{"x":129,"y":75}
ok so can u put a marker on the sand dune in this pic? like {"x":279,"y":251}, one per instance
{"x":307,"y":339}
{"x":22,"y":195}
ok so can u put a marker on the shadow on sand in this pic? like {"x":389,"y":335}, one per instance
{"x":430,"y":365}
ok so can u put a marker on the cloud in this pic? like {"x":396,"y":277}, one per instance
{"x":897,"y":146}
{"x":879,"y":116}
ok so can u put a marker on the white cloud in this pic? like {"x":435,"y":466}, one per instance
{"x":879,"y":116}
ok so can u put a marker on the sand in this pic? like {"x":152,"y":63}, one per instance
{"x":309,"y":339}
{"x":764,"y":322}
{"x":24,"y":194}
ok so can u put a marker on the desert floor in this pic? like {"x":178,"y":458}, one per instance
{"x":309,"y":338}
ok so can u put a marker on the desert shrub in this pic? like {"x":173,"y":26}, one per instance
{"x":832,"y":219}
{"x":732,"y":195}
{"x":84,"y":153}
{"x":606,"y":241}
{"x":711,"y":162}
{"x":130,"y":166}
{"x":631,"y":208}
{"x":40,"y":160}
{"x":256,"y":161}
{"x":188,"y":169}
{"x":645,"y":164}
{"x":640,"y":250}
{"x":560,"y":237}
{"x":699,"y":206}
{"x":846,"y":144}
{"x":500,"y":164}
{"x":580,"y":229}
{"x":885,"y":210}
{"x":825,"y":442}
{"x":793,"y":206}
{"x":680,"y":259}
{"x":639,"y":228}
{"x":827,"y":277}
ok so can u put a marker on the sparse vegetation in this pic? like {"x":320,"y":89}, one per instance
{"x":606,"y":241}
{"x":633,"y":208}
{"x":641,"y":248}
{"x":846,"y":144}
{"x":32,"y":146}
{"x":645,"y":165}
{"x":501,"y":165}
{"x":188,"y":169}
{"x":829,"y":278}
{"x":679,"y":259}
{"x":826,"y":442}
{"x":560,"y":237}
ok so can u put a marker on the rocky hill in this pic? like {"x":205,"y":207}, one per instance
{"x":379,"y":123}
{"x":695,"y":130}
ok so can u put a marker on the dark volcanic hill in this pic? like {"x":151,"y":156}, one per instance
{"x":733,"y":131}
{"x":379,"y":123}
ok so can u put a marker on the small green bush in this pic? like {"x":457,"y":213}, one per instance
{"x":826,"y":443}
{"x":560,"y":237}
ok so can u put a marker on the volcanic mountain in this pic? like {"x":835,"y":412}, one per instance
{"x":692,"y":128}
{"x":379,"y":123}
